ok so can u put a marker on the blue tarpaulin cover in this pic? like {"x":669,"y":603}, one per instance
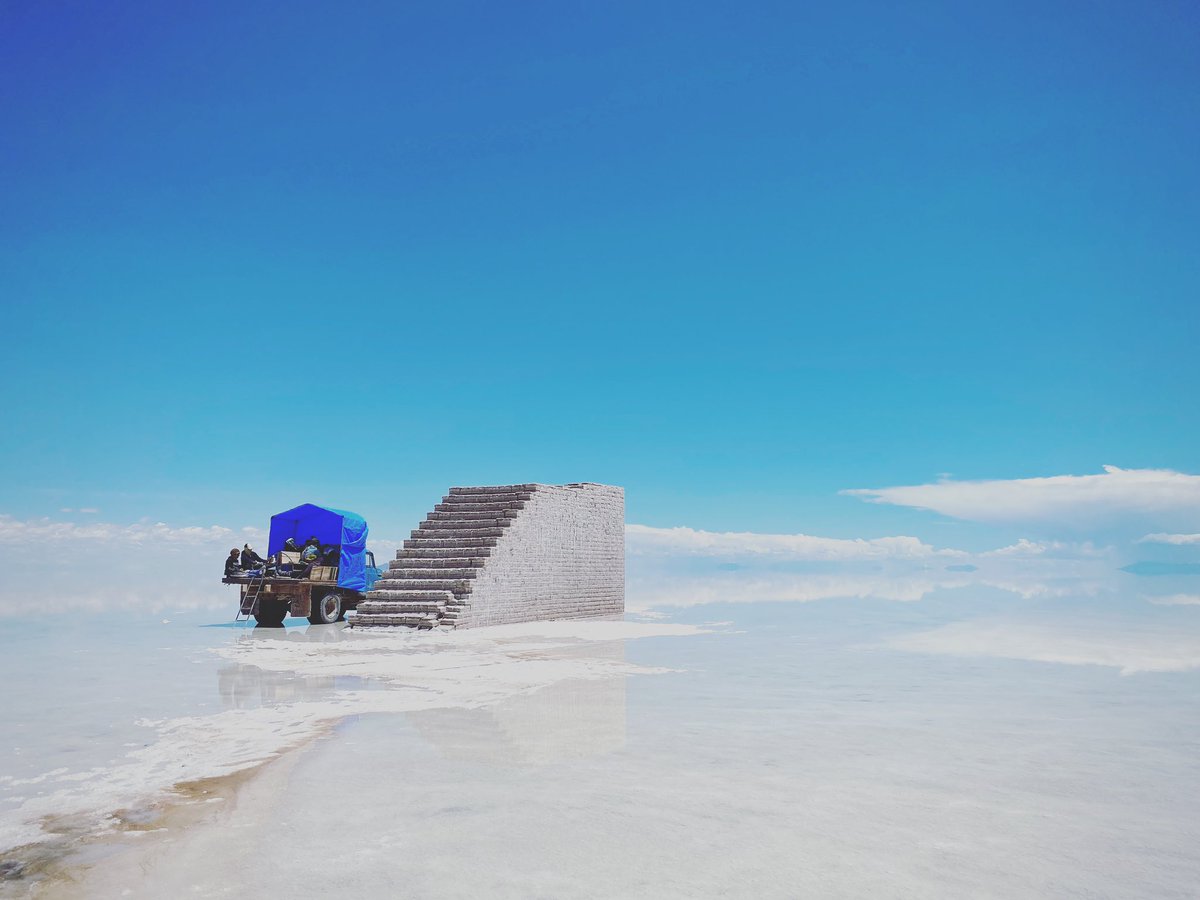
{"x":331,"y":526}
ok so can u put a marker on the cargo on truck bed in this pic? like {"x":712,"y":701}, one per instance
{"x":313,"y":588}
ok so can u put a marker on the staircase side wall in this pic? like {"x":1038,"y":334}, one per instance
{"x":562,"y":558}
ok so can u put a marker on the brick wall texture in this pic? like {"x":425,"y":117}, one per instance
{"x":562,"y":558}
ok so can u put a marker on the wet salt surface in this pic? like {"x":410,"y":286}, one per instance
{"x":967,"y":742}
{"x":275,"y":690}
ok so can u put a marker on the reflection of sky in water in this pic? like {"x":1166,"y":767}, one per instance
{"x":984,"y":738}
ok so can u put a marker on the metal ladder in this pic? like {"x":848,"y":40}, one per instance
{"x":250,"y":599}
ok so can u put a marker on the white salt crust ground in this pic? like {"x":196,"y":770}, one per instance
{"x":979,"y":743}
{"x":424,"y":670}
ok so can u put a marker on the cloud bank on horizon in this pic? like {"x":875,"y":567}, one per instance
{"x":1068,"y":500}
{"x":641,"y":540}
{"x":153,"y":564}
{"x":48,"y":531}
{"x":645,"y":540}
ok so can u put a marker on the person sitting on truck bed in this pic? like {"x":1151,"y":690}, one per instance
{"x":233,"y":568}
{"x":250,"y":559}
{"x":290,"y":546}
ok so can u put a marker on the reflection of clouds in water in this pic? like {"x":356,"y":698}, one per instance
{"x":1027,"y":580}
{"x":1032,"y":588}
{"x":1173,"y":599}
{"x":1123,"y":643}
{"x":1080,"y":619}
{"x":756,"y":587}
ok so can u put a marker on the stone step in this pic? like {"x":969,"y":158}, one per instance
{"x":486,"y":499}
{"x":508,"y":506}
{"x":399,"y":570}
{"x":437,"y":562}
{"x":465,"y":524}
{"x":471,"y":515}
{"x":455,"y":585}
{"x":392,"y":620}
{"x":394,"y":594}
{"x":496,"y":489}
{"x":371,"y":607}
{"x":452,"y":533}
{"x":446,"y":543}
{"x":415,"y":553}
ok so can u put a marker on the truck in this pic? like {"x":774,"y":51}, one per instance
{"x":321,"y":593}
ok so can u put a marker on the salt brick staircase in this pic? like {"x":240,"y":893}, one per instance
{"x":429,"y":581}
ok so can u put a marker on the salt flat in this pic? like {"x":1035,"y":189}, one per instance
{"x":939,"y":741}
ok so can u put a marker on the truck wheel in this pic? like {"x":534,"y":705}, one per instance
{"x":328,"y":610}
{"x":271,"y":612}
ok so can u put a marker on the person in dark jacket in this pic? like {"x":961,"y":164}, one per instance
{"x":233,"y":568}
{"x":250,"y":559}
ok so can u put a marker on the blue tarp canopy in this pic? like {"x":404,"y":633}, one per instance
{"x":330,"y":526}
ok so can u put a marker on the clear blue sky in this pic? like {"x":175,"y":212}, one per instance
{"x":734,"y":257}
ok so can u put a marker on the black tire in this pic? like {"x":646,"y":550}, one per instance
{"x":270,"y":612}
{"x":327,"y":610}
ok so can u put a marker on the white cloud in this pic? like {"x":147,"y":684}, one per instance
{"x":46,"y":531}
{"x":98,"y":566}
{"x":681,"y":541}
{"x":1174,"y":600}
{"x":644,"y":540}
{"x":1065,"y":499}
{"x":1176,"y":539}
{"x":661,"y":573}
{"x":1027,"y":549}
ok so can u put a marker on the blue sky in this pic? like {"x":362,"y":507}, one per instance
{"x":735,"y":259}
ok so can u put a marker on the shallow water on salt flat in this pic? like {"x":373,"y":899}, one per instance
{"x":975,"y":742}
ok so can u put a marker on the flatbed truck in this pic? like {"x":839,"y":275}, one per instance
{"x":269,"y":599}
{"x":320,"y":593}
